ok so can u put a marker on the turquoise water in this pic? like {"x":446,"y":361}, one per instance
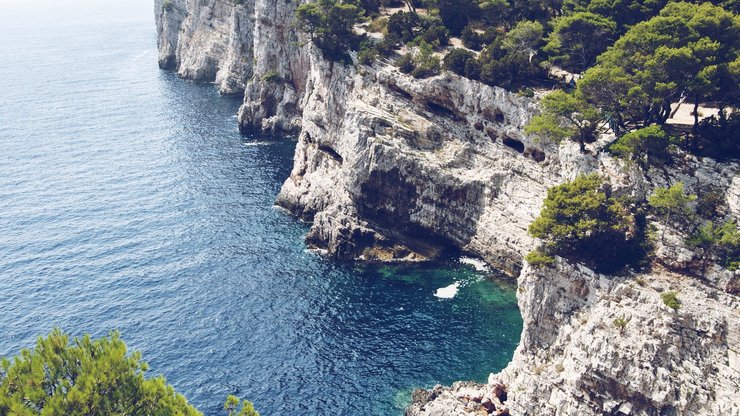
{"x":129,"y":201}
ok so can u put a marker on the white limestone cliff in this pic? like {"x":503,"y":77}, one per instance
{"x":391,"y":167}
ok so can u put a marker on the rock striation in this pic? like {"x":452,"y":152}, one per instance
{"x":389,"y":167}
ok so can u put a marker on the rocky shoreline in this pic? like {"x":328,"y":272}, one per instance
{"x":391,"y":167}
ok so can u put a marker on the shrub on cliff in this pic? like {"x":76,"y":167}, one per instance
{"x":647,"y":146}
{"x":582,"y":221}
{"x":717,"y":241}
{"x":674,"y":206}
{"x":670,"y":299}
{"x":84,"y":377}
{"x":330,"y":24}
{"x":537,"y":258}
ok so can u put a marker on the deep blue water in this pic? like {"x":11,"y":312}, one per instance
{"x":129,"y":201}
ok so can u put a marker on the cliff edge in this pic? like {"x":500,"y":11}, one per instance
{"x":391,"y":167}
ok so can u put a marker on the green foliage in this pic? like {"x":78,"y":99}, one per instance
{"x":624,"y":13}
{"x":670,"y":299}
{"x":673,"y":205}
{"x":232,"y":404}
{"x":457,"y":59}
{"x":493,"y":11}
{"x":330,"y":24}
{"x":455,"y":13}
{"x":582,"y":221}
{"x":686,"y":51}
{"x":524,"y":39}
{"x":425,"y":63}
{"x":403,"y":27}
{"x":405,"y":63}
{"x":368,"y":53}
{"x":168,"y":6}
{"x":471,"y":39}
{"x":271,"y":76}
{"x":621,"y":323}
{"x":379,"y":25}
{"x":565,"y":116}
{"x":506,"y":68}
{"x":538,"y":258}
{"x":711,"y":203}
{"x":718,"y":240}
{"x":576,"y":40}
{"x":526,"y":92}
{"x":84,"y":377}
{"x":719,"y":137}
{"x":647,"y":146}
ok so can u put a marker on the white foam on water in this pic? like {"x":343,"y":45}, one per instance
{"x":478,"y":264}
{"x":448,"y":292}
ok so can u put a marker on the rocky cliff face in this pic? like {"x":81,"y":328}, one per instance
{"x":250,"y":48}
{"x":390,"y":167}
{"x":597,"y":345}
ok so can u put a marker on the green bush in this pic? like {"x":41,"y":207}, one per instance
{"x":564,"y":116}
{"x":456,"y":60}
{"x":537,"y":258}
{"x":582,"y":221}
{"x":405,"y":63}
{"x":621,"y":323}
{"x":232,"y":404}
{"x":425,"y":63}
{"x":271,"y":76}
{"x":647,"y":146}
{"x":368,"y":53}
{"x":435,"y":34}
{"x":526,"y":93}
{"x":717,"y":240}
{"x":673,"y":205}
{"x":378,"y":25}
{"x":670,"y":299}
{"x":719,"y":136}
{"x":84,"y":377}
{"x":403,"y":27}
{"x":471,"y":39}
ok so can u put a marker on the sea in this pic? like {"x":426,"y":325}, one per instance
{"x":130,"y":202}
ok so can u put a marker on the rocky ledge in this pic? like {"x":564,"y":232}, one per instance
{"x":390,"y":167}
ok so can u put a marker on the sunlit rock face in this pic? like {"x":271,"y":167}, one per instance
{"x":389,"y":167}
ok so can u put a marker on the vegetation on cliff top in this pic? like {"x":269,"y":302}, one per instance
{"x":637,"y":59}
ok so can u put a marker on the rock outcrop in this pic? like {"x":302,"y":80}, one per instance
{"x":251,"y":48}
{"x":391,"y":167}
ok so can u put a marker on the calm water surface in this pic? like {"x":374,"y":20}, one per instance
{"x":128,"y":200}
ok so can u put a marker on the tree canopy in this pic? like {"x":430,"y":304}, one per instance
{"x":330,"y":24}
{"x":576,"y":40}
{"x":565,"y":116}
{"x":84,"y":377}
{"x":687,"y":51}
{"x":582,"y":221}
